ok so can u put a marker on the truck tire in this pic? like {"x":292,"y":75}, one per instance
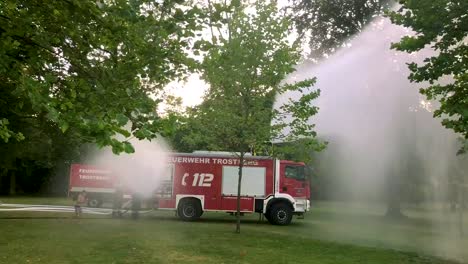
{"x":94,"y":202}
{"x":280,"y":214}
{"x":189,"y":210}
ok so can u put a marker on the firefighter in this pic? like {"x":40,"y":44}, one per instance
{"x":117,"y":202}
{"x":82,"y":199}
{"x":136,"y":205}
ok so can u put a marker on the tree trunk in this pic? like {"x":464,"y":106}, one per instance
{"x":394,"y":193}
{"x":241,"y":165}
{"x":394,"y":207}
{"x":461,"y":208}
{"x":12,"y":182}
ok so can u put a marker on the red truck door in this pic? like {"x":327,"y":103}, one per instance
{"x":293,"y":180}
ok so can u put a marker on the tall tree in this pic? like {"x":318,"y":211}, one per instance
{"x":91,"y":65}
{"x":79,"y":71}
{"x":249,"y":56}
{"x":328,"y":25}
{"x":441,"y":25}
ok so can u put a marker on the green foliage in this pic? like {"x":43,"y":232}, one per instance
{"x":6,"y":134}
{"x":442,"y":26}
{"x":245,"y":66}
{"x":328,"y":25}
{"x":301,"y":150}
{"x":78,"y":71}
{"x":91,"y":66}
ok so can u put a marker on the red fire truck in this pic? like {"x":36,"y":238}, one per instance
{"x":198,"y":182}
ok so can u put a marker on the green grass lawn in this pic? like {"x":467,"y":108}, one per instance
{"x":332,"y":233}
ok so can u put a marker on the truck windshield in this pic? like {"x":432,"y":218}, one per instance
{"x":295,"y":172}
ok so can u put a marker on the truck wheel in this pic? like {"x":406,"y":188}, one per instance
{"x":189,"y":210}
{"x":94,"y":202}
{"x":280,"y":214}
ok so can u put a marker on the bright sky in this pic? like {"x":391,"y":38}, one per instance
{"x":190,"y":91}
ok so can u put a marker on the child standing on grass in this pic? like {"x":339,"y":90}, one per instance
{"x":80,"y":200}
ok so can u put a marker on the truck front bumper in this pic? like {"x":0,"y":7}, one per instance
{"x":302,"y":205}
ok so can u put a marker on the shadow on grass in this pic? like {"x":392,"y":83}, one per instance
{"x":170,"y":218}
{"x":312,"y":219}
{"x":377,"y":219}
{"x":173,"y":219}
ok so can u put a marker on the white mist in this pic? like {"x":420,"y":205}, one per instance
{"x":377,"y":123}
{"x":142,"y":171}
